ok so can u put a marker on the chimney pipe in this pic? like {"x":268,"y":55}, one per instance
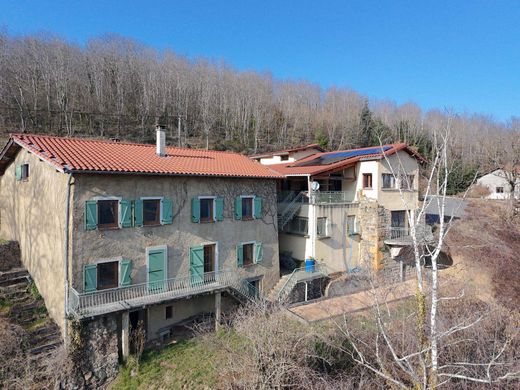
{"x":160,"y":139}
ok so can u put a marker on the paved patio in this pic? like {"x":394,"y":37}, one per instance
{"x":334,"y":307}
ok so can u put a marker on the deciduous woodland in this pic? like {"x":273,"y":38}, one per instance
{"x":116,"y":87}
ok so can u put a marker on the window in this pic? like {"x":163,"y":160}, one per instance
{"x":298,"y":225}
{"x":209,"y":258}
{"x":247,"y":207}
{"x":284,"y":157}
{"x":107,"y":213}
{"x":351,"y":225}
{"x":107,"y":275}
{"x":367,"y":180}
{"x":249,"y":254}
{"x":206,"y":209}
{"x":151,"y":212}
{"x":499,"y":190}
{"x":321,"y":227}
{"x":25,"y":171}
{"x":168,"y":312}
{"x":406,"y":182}
{"x":388,"y":180}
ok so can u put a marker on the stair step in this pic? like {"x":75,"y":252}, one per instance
{"x":8,"y":277}
{"x":44,"y":348}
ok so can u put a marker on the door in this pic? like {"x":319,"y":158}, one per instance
{"x":398,"y":224}
{"x":197,"y":265}
{"x":156,"y":269}
{"x":209,"y":263}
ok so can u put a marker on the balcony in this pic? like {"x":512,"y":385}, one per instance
{"x":96,"y":303}
{"x":332,"y":197}
{"x":401,"y":236}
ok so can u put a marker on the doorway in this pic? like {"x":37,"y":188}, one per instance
{"x":138,"y":326}
{"x":398,"y":224}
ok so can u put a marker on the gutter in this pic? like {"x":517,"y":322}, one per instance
{"x":66,"y":262}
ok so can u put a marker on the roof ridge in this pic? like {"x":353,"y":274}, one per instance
{"x":106,"y":141}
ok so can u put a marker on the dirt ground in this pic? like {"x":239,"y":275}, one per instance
{"x":485,"y":247}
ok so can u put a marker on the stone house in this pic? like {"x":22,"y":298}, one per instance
{"x":344,"y":208}
{"x":115,"y":233}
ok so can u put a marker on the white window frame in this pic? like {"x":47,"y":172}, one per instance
{"x":383,"y":181}
{"x":206,"y":243}
{"x":252,"y":197}
{"x":356,"y":230}
{"x":254,"y":252}
{"x":289,"y":231}
{"x":119,"y":199}
{"x":153,"y":248}
{"x":327,"y":232}
{"x":214,"y":205}
{"x":119,"y":259}
{"x":160,"y":199}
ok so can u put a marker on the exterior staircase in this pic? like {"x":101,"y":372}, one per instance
{"x":21,"y":305}
{"x":275,"y":291}
{"x":288,"y":209}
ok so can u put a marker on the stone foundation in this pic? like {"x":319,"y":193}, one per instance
{"x":372,"y":218}
{"x":93,"y":352}
{"x":315,"y":289}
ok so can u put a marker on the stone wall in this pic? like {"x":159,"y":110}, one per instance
{"x":315,"y":290}
{"x":372,"y":219}
{"x":93,"y":353}
{"x":9,"y":255}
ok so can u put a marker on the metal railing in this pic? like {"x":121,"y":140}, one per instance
{"x":105,"y":301}
{"x":331,"y":197}
{"x":300,"y":274}
{"x":291,"y":209}
{"x":423,"y":233}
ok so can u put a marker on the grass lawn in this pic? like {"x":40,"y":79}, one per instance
{"x":188,"y":364}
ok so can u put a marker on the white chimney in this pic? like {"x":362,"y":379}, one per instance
{"x":160,"y":139}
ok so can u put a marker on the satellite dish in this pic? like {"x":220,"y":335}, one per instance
{"x":315,"y":186}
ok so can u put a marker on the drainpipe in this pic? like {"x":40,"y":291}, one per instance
{"x":66,"y":261}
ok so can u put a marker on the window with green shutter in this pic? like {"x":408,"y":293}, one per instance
{"x":167,"y":211}
{"x":138,"y":213}
{"x":197,"y":264}
{"x":238,"y":208}
{"x":89,"y":278}
{"x":258,"y":208}
{"x":240,"y":255}
{"x":195,"y":210}
{"x":126,"y":272}
{"x":258,"y":252}
{"x":126,"y":213}
{"x":18,"y":172}
{"x":219,"y":206}
{"x":91,"y":215}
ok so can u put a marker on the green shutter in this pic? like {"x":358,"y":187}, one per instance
{"x":90,"y":278}
{"x":240,"y":255}
{"x":259,"y":252}
{"x":238,"y":208}
{"x":138,"y":213}
{"x":219,"y":205}
{"x":126,"y":213}
{"x":18,"y":172}
{"x":167,"y":211}
{"x":156,"y":270}
{"x":197,"y":264}
{"x":91,"y":215}
{"x":195,"y":210}
{"x":126,"y":272}
{"x":258,"y":208}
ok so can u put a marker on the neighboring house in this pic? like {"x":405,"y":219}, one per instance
{"x":131,"y":232}
{"x":498,"y":186}
{"x":358,"y":205}
{"x":288,"y":155}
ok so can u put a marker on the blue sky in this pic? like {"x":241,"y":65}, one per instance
{"x":456,"y":54}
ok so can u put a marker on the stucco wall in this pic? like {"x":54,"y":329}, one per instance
{"x":292,"y":157}
{"x":496,"y":179}
{"x":131,"y":243}
{"x":32,"y":212}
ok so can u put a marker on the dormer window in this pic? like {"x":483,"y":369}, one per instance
{"x":285,"y":157}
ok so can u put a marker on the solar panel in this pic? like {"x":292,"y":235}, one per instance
{"x":332,"y":158}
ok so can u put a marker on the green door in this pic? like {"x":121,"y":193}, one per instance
{"x":197,"y":265}
{"x":156,"y":270}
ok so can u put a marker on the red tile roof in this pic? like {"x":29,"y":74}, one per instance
{"x":98,"y":156}
{"x":292,"y":168}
